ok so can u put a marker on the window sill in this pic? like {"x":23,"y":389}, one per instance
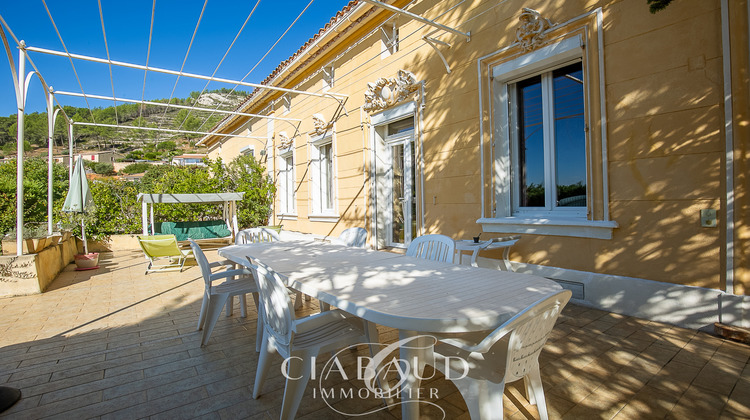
{"x":580,"y":228}
{"x":330,"y":218}
{"x":287,"y":216}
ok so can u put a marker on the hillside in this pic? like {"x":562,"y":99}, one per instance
{"x":135,"y":142}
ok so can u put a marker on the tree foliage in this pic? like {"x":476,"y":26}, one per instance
{"x":34,"y":191}
{"x":657,"y":5}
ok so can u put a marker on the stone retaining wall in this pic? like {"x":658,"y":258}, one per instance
{"x":33,"y":273}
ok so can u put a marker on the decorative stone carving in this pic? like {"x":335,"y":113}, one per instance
{"x":284,"y":141}
{"x":320,"y":124}
{"x":384,"y":93}
{"x":530,"y":33}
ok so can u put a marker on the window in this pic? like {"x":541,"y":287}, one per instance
{"x":286,"y":183}
{"x":548,"y":137}
{"x":548,"y":147}
{"x":248,"y":151}
{"x":323,"y":177}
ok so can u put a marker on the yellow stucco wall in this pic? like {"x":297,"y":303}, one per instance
{"x":665,"y":135}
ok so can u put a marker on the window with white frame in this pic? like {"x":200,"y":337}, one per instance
{"x":548,"y":142}
{"x":286,"y":183}
{"x":323,"y":176}
{"x":248,"y":151}
{"x":550,"y":175}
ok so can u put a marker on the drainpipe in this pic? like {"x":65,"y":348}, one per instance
{"x":729,"y":145}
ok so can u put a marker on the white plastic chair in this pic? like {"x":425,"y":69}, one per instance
{"x":355,"y":237}
{"x":507,"y":354}
{"x":432,"y":247}
{"x":299,"y":340}
{"x":238,"y":282}
{"x":260,"y":234}
{"x":255,"y":235}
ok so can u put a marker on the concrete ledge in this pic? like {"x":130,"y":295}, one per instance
{"x":33,"y":273}
{"x":684,"y":306}
{"x":114,"y":243}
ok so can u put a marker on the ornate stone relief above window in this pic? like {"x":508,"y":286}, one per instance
{"x":531,"y":32}
{"x":284,"y":141}
{"x":384,"y":93}
{"x":320,"y":125}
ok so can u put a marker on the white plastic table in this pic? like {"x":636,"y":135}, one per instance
{"x":475,"y":247}
{"x":412,"y":295}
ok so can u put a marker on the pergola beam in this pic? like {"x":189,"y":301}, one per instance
{"x":195,"y":108}
{"x":133,"y":127}
{"x":416,"y":17}
{"x":181,"y":73}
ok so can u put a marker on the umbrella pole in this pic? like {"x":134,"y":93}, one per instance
{"x":83,"y":235}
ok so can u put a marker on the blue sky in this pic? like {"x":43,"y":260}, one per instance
{"x":127,"y":24}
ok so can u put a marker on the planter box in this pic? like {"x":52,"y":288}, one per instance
{"x":30,"y":246}
{"x":33,"y":273}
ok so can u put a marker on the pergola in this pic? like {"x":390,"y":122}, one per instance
{"x":228,"y":199}
{"x":22,"y":79}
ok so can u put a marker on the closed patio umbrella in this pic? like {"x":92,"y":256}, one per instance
{"x":79,"y":198}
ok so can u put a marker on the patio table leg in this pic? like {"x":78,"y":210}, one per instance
{"x":416,"y":353}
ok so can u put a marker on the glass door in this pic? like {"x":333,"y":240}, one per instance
{"x":403,"y":201}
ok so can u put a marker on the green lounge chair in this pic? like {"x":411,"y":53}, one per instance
{"x":159,"y":247}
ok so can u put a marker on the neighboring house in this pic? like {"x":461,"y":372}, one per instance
{"x":614,"y":140}
{"x":110,"y":157}
{"x":189,"y":159}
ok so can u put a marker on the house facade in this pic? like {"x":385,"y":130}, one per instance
{"x":111,"y":157}
{"x":612,"y":139}
{"x":193,"y":159}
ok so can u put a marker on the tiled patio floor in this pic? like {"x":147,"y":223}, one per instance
{"x":113,"y":343}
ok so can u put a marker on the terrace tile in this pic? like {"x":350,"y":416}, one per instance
{"x":115,"y":343}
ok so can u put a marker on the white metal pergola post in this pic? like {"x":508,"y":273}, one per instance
{"x":51,"y":117}
{"x":21,"y":101}
{"x":70,"y":151}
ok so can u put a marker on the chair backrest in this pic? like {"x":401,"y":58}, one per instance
{"x":156,"y":246}
{"x":528,"y":333}
{"x":275,"y":304}
{"x":254,"y":235}
{"x":432,"y":247}
{"x":354,"y":237}
{"x":203,"y":263}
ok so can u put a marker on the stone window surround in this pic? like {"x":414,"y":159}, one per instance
{"x":579,"y":38}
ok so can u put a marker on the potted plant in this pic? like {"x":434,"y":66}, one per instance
{"x":79,"y":203}
{"x":73,"y":225}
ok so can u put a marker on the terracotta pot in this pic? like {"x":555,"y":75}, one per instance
{"x":87,"y":261}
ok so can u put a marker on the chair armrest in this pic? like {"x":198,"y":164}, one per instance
{"x":320,"y":319}
{"x":223,"y":263}
{"x":230,"y":273}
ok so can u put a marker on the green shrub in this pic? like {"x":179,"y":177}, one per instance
{"x":136,"y":168}
{"x":34,"y":189}
{"x":116,"y":209}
